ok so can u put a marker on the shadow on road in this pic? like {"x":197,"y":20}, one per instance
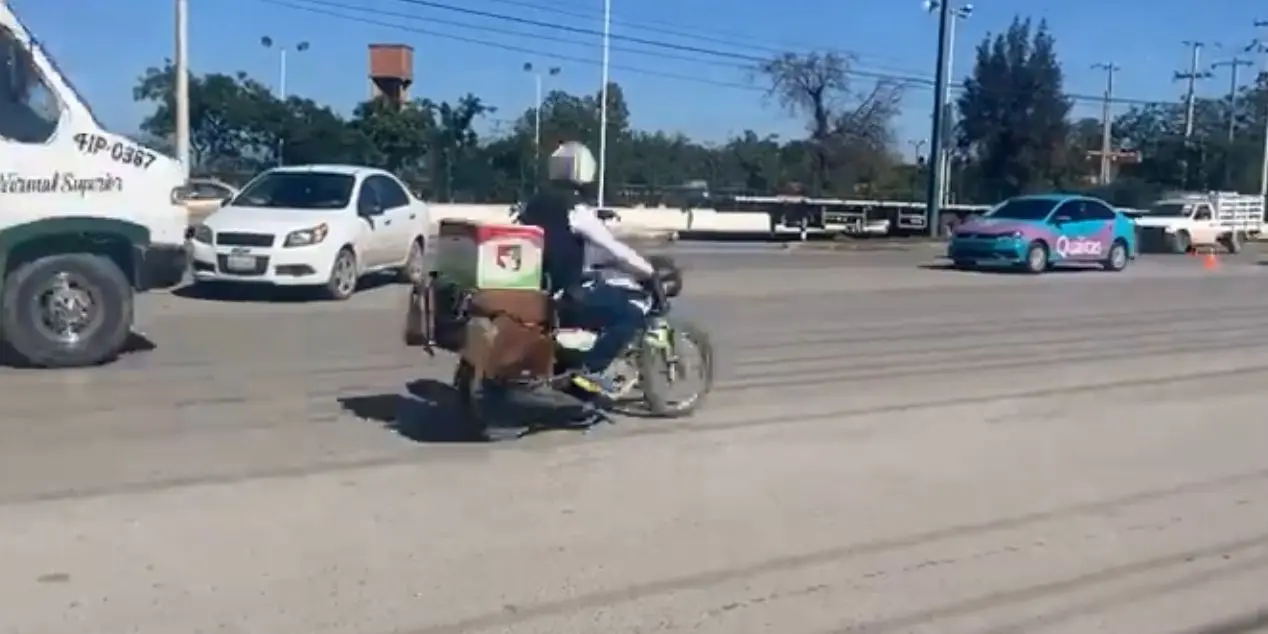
{"x":1006,"y":270}
{"x":136,"y":342}
{"x":250,"y":292}
{"x":427,"y":413}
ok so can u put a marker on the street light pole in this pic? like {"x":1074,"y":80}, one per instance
{"x":182,"y":86}
{"x":537,"y":117}
{"x":961,"y":13}
{"x":603,"y":96}
{"x":268,"y":42}
{"x":937,"y":177}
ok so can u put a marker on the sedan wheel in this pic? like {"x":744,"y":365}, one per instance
{"x":343,"y":276}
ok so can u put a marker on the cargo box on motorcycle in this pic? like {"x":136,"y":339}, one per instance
{"x":483,"y":299}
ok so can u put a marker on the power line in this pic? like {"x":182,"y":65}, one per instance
{"x":718,"y":57}
{"x":483,"y":28}
{"x":506,"y":47}
{"x":751,"y":59}
{"x":731,"y":39}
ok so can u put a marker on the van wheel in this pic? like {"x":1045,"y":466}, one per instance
{"x":1036,"y":258}
{"x":1118,"y":257}
{"x":65,"y":311}
{"x":343,"y":276}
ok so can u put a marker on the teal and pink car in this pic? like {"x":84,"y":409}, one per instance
{"x":1036,"y":233}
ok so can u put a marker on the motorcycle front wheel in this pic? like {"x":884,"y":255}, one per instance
{"x":661,"y":367}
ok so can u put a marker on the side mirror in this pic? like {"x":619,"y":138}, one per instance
{"x":226,"y":200}
{"x":607,"y":215}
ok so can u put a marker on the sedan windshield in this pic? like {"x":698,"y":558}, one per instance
{"x":297,"y":190}
{"x":1023,"y":209}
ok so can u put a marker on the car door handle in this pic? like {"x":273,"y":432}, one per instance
{"x":387,"y":222}
{"x":412,"y":216}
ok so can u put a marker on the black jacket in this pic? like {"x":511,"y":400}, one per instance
{"x":564,"y":252}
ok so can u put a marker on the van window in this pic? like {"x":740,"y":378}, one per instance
{"x":29,"y":109}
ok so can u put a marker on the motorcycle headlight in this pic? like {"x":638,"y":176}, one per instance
{"x":204,"y":234}
{"x":307,"y":237}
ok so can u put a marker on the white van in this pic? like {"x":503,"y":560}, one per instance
{"x":87,"y":217}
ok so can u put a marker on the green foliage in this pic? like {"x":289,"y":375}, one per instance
{"x":1014,"y":114}
{"x":238,"y":126}
{"x":1014,"y":134}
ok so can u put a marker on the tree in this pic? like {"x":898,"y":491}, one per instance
{"x":1014,"y":116}
{"x":1014,"y":135}
{"x":455,"y":144}
{"x":397,"y":137}
{"x":848,"y":129}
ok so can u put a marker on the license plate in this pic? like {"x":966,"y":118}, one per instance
{"x":240,"y":263}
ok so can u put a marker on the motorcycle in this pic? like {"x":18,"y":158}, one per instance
{"x":505,"y":365}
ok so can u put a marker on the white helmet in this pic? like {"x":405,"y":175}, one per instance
{"x":572,"y":163}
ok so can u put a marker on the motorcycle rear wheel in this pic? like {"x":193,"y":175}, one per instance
{"x":656,"y":385}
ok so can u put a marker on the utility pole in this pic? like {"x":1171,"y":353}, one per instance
{"x":1261,"y":48}
{"x":603,"y":97}
{"x":182,"y":86}
{"x":937,"y":175}
{"x":962,"y":12}
{"x":1234,"y":73}
{"x":1192,"y":77}
{"x":1107,"y":139}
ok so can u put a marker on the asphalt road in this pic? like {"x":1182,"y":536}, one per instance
{"x":890,"y":449}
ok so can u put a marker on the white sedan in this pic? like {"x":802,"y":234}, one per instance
{"x":313,"y":225}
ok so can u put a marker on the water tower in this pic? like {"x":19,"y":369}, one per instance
{"x":391,"y":71}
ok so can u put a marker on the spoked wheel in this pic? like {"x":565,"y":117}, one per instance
{"x":684,"y":356}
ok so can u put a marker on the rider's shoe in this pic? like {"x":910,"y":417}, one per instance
{"x":594,"y":383}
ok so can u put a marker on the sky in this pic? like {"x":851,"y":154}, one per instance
{"x":705,"y":91}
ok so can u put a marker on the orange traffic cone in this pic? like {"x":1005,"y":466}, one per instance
{"x":1209,"y":262}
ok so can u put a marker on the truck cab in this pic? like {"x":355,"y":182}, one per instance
{"x":1187,"y":221}
{"x":87,"y":217}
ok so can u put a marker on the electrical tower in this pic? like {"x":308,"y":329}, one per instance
{"x":1192,"y":77}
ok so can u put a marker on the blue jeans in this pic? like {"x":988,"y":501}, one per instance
{"x":612,"y":312}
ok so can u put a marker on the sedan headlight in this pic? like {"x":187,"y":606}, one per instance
{"x":306,"y":237}
{"x":1016,"y":235}
{"x":204,"y":234}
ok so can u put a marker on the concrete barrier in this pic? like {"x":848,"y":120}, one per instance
{"x":634,"y":220}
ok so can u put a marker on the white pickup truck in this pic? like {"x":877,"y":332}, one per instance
{"x":87,"y":217}
{"x":1180,"y":223}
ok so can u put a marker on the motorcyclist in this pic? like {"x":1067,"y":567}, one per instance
{"x":577,"y":241}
